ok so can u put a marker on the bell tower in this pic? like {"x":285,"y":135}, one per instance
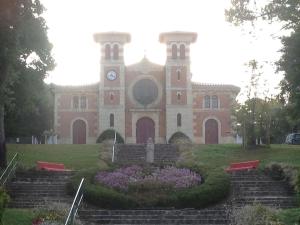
{"x":179,"y":99}
{"x":112,"y":81}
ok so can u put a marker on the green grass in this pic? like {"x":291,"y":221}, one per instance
{"x":17,"y":217}
{"x":290,"y":216}
{"x":73,"y":156}
{"x":212,"y":156}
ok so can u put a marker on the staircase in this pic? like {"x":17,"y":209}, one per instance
{"x":126,"y":217}
{"x":253,"y":187}
{"x":136,"y":153}
{"x":38,"y":188}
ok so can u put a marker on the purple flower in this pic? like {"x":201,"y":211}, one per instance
{"x":178,"y":178}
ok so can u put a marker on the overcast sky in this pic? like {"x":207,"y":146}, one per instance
{"x":218,"y":56}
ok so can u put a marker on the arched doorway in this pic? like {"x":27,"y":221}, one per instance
{"x":211,"y":132}
{"x":79,"y":132}
{"x":144,"y":129}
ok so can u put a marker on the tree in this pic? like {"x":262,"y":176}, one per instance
{"x":287,"y":14}
{"x":24,"y":51}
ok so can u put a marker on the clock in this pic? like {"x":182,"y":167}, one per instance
{"x":111,"y":75}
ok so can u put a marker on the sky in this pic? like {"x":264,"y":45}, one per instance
{"x":218,"y":56}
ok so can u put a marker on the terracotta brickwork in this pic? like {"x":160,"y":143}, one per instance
{"x":172,"y":97}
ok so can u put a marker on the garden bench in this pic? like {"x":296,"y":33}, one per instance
{"x":51,"y":166}
{"x":242,"y":166}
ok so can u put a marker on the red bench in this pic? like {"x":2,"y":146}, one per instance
{"x":51,"y":166}
{"x":242,"y":166}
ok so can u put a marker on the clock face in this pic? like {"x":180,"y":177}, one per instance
{"x":111,"y":75}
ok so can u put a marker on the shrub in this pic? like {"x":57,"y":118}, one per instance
{"x":281,"y":171}
{"x":179,"y":138}
{"x":215,"y":188}
{"x":4,"y":199}
{"x":53,"y":213}
{"x":153,"y":194}
{"x":255,"y":215}
{"x":109,"y":135}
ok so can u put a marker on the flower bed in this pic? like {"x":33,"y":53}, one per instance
{"x":122,"y":178}
{"x":137,"y":187}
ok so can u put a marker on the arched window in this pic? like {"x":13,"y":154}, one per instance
{"x":83,"y":102}
{"x":111,"y":120}
{"x":111,"y":96}
{"x":116,"y":52}
{"x":182,"y":51}
{"x":75,"y":102}
{"x":178,"y":96}
{"x":178,"y":120}
{"x":174,"y":51}
{"x":207,"y":102}
{"x":178,"y":74}
{"x":107,"y":51}
{"x":214,"y":102}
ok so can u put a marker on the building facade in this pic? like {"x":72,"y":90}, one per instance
{"x":145,"y":99}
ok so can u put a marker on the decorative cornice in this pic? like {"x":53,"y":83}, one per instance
{"x":76,"y":88}
{"x":215,"y":87}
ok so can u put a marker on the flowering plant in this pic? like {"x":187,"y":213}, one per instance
{"x":176,"y":178}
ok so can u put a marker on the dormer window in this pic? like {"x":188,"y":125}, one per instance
{"x":174,"y":51}
{"x":182,"y":51}
{"x":107,"y":52}
{"x":116,"y":52}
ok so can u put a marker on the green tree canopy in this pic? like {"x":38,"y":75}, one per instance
{"x":24,"y":51}
{"x":287,"y":14}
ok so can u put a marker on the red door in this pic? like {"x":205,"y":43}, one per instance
{"x":144,"y":130}
{"x":211,"y":132}
{"x":79,"y":132}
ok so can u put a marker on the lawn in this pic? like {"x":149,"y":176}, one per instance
{"x":17,"y":217}
{"x":73,"y":156}
{"x":211,"y":156}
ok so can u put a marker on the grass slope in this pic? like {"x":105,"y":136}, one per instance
{"x":17,"y":217}
{"x":73,"y":156}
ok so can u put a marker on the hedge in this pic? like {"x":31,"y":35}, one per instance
{"x":110,"y":134}
{"x":215,"y":188}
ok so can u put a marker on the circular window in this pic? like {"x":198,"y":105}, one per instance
{"x":145,"y":91}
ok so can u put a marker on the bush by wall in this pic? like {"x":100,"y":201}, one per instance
{"x":215,"y":188}
{"x":109,"y":135}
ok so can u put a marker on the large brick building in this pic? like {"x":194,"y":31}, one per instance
{"x":145,"y":99}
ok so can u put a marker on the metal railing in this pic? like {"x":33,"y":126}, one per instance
{"x":75,"y":205}
{"x":10,"y":169}
{"x":113,"y":148}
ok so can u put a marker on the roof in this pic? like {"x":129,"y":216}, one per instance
{"x":145,"y":66}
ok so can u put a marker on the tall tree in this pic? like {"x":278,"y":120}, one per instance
{"x":287,"y":14}
{"x":24,"y":51}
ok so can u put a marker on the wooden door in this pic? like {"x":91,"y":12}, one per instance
{"x":211,"y":132}
{"x":144,"y":129}
{"x":79,"y":132}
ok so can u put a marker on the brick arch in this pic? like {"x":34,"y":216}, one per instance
{"x":79,"y":130}
{"x":211,"y":126}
